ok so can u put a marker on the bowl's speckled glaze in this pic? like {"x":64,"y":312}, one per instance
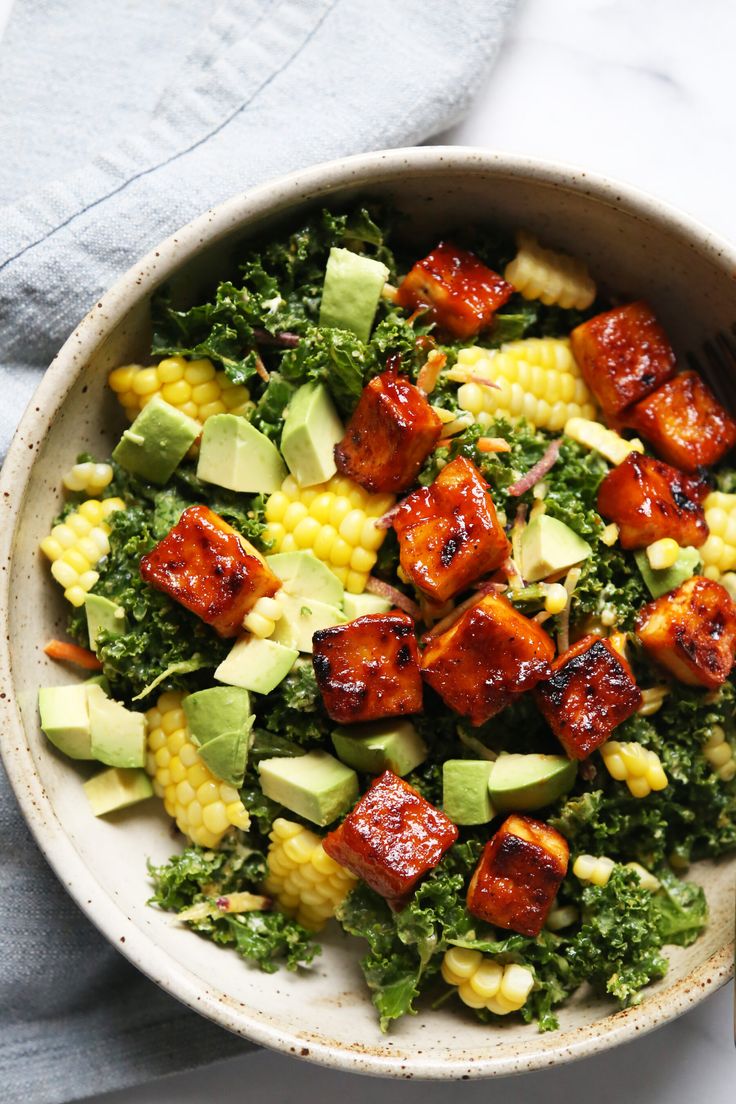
{"x":633,"y":244}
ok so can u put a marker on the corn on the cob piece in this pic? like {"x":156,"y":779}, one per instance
{"x":203,"y":806}
{"x":77,"y":544}
{"x":88,"y":477}
{"x":336,"y":520}
{"x":594,"y":435}
{"x":637,"y":766}
{"x":718,"y":554}
{"x":652,"y":700}
{"x":261,"y":619}
{"x":536,"y":379}
{"x":719,"y":753}
{"x":482,"y":982}
{"x":552,"y":277}
{"x":597,"y":869}
{"x":302,"y":878}
{"x":192,"y":386}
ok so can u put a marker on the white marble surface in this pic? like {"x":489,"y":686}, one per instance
{"x":642,"y":92}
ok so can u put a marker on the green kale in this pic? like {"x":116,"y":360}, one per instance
{"x":221,"y":330}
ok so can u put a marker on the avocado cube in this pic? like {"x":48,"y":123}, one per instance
{"x":102,"y":614}
{"x":65,"y":719}
{"x":300,"y":620}
{"x":217,"y":710}
{"x":547,"y":546}
{"x":227,"y":755}
{"x":116,"y":788}
{"x":256,"y":665}
{"x":522,"y":783}
{"x":315,"y":786}
{"x":352,"y":288}
{"x":234,"y":454}
{"x":117,"y":734}
{"x":358,"y":605}
{"x":385,"y":745}
{"x":670,"y":578}
{"x":157,"y":441}
{"x":302,"y":573}
{"x":311,"y":431}
{"x":465,"y":797}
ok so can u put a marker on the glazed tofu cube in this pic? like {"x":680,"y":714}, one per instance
{"x":390,"y":434}
{"x":461,"y":292}
{"x":490,"y":654}
{"x":449,"y":534}
{"x":518,"y":875}
{"x":368,"y":668}
{"x":684,"y":422}
{"x":391,"y":838}
{"x":692,"y":632}
{"x":210,"y":569}
{"x":649,"y":500}
{"x":591,"y":690}
{"x":624,"y":355}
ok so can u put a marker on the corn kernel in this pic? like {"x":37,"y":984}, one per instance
{"x":596,"y":869}
{"x":556,"y":598}
{"x":75,"y":547}
{"x":638,"y":766}
{"x":483,"y":982}
{"x":302,"y":878}
{"x":607,"y":442}
{"x":663,"y":553}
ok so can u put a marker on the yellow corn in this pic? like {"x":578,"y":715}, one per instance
{"x":663,"y":553}
{"x":652,"y":700}
{"x":77,"y":544}
{"x":192,"y":386}
{"x":203,"y":806}
{"x":336,"y":520}
{"x":596,"y":869}
{"x":561,"y":916}
{"x":594,"y":435}
{"x":261,"y":619}
{"x":482,"y":982}
{"x":536,"y":379}
{"x":88,"y":477}
{"x":556,"y":598}
{"x":718,"y":554}
{"x":719,"y":753}
{"x":554,"y":278}
{"x":609,"y":536}
{"x":637,"y":766}
{"x":302,"y":878}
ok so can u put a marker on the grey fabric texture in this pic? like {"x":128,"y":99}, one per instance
{"x":120,"y":120}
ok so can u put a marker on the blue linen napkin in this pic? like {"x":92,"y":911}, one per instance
{"x":119,"y":122}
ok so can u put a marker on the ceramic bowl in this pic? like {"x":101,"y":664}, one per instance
{"x":633,"y":244}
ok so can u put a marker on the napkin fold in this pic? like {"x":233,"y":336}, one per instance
{"x":120,"y":121}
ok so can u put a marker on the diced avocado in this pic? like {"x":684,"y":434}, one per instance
{"x":311,"y":430}
{"x":315,"y":786}
{"x":358,"y":605}
{"x":157,"y":442}
{"x":117,"y":734}
{"x":103,"y":614}
{"x":352,"y":288}
{"x":65,"y":719}
{"x":465,"y":797}
{"x":255,"y":664}
{"x":302,"y":573}
{"x":522,"y":783}
{"x":220,"y":709}
{"x":547,"y":546}
{"x":661,"y":582}
{"x":386,"y":745}
{"x":300,"y":620}
{"x":227,"y":755}
{"x":234,"y":454}
{"x":116,"y":788}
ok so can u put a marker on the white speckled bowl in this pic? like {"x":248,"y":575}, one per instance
{"x":632,"y":243}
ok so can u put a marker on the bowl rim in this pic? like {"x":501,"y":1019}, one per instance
{"x":273,"y":198}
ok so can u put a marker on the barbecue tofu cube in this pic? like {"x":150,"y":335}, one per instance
{"x":210,"y":569}
{"x":684,"y":422}
{"x":368,"y":668}
{"x":490,"y":654}
{"x":392,"y":431}
{"x":461,"y":292}
{"x":692,"y":632}
{"x":624,"y":355}
{"x":449,"y":534}
{"x":649,"y":500}
{"x":518,"y":875}
{"x":591,"y":690}
{"x":391,"y":838}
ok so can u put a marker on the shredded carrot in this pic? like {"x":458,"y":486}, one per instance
{"x":493,"y":444}
{"x":66,"y":652}
{"x":261,"y":369}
